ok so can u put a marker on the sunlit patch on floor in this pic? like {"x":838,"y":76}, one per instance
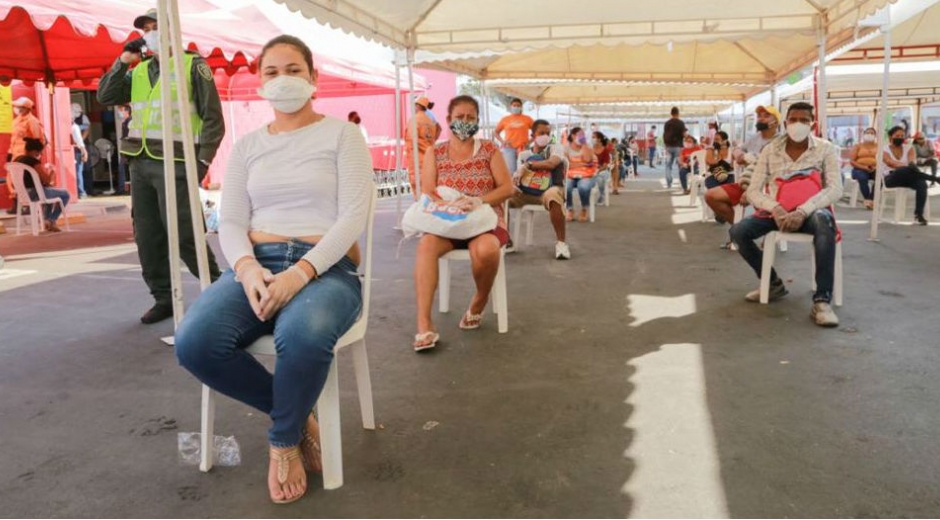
{"x":644,"y":309}
{"x":678,"y":473}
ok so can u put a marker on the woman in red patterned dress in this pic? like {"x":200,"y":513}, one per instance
{"x":475,"y":168}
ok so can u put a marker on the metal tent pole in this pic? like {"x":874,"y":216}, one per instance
{"x":414,"y":123}
{"x":822,"y":123}
{"x":882,"y":115}
{"x":398,"y":147}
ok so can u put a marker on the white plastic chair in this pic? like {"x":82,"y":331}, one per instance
{"x":900,"y":202}
{"x":595,"y":194}
{"x":328,"y":403}
{"x":498,"y":295}
{"x":37,"y":224}
{"x":525,"y":213}
{"x":850,"y":188}
{"x":770,"y":250}
{"x":696,"y":179}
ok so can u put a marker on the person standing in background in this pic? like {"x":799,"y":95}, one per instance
{"x":353,"y":117}
{"x":512,"y":132}
{"x":651,"y":145}
{"x":673,"y":133}
{"x":428,"y":131}
{"x":81,"y":155}
{"x":144,"y":147}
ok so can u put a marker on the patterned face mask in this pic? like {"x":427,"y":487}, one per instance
{"x":464,"y":130}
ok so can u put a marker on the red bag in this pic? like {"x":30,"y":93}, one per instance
{"x":795,"y":188}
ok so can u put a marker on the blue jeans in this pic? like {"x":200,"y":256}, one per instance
{"x":684,"y":177}
{"x":602,"y":178}
{"x":79,"y":174}
{"x":652,"y":152}
{"x":511,"y":155}
{"x":864,"y":177}
{"x":673,"y":155}
{"x":821,"y":224}
{"x":212,"y":338}
{"x":51,"y":211}
{"x":584,"y":187}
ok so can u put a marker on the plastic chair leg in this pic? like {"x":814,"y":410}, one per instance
{"x":516,"y":216}
{"x":529,"y":226}
{"x":443,"y":285}
{"x":501,"y":303}
{"x":331,"y":441}
{"x":207,"y":445}
{"x":363,"y":383}
{"x":767,"y":264}
{"x":838,"y":287}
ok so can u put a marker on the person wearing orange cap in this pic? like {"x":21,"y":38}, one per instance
{"x":722,"y":199}
{"x":25,"y":126}
{"x":428,"y":131}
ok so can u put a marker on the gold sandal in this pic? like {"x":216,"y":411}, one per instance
{"x":310,"y":447}
{"x":283,"y":457}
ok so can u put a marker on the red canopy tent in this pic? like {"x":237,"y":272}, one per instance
{"x":71,"y":43}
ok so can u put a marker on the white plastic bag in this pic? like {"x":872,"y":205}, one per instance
{"x":430,"y":216}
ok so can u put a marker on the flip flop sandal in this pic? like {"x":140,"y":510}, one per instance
{"x":310,"y":449}
{"x":283,"y":459}
{"x":426,"y":340}
{"x":470,"y":321}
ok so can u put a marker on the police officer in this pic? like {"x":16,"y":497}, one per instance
{"x":143,"y":147}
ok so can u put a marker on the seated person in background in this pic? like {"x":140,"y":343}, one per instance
{"x":900,"y":158}
{"x":604,"y":163}
{"x":718,"y":162}
{"x":540,"y":180}
{"x":864,"y":160}
{"x":689,"y":146}
{"x":796,"y":161}
{"x":722,"y":199}
{"x":926,"y":156}
{"x":33,"y":159}
{"x":582,"y":169}
{"x":477,"y":169}
{"x":616,"y":163}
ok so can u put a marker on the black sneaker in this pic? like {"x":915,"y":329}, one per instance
{"x":157,"y":313}
{"x":920,"y":220}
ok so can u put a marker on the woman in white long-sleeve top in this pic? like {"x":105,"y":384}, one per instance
{"x":295,"y":200}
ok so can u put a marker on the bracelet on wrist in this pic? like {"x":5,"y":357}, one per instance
{"x":300,"y":272}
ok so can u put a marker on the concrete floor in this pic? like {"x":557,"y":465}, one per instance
{"x":634,"y":381}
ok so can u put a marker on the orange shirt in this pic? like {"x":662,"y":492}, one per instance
{"x":427,"y":133}
{"x":24,"y":126}
{"x":516,"y":128}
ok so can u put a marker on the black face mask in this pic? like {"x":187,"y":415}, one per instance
{"x":897,"y":141}
{"x":761,"y":126}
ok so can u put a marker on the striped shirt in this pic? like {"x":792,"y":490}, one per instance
{"x":774,"y":161}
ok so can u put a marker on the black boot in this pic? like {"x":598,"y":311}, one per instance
{"x":159,"y":312}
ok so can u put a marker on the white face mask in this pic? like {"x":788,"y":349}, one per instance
{"x":868,"y":138}
{"x":799,"y":132}
{"x":542,"y":140}
{"x":287,"y":94}
{"x":152,"y":40}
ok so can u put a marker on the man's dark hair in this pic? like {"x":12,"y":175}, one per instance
{"x":802,"y":105}
{"x":674,"y":111}
{"x":515,"y":100}
{"x":537,"y":123}
{"x":33,"y":145}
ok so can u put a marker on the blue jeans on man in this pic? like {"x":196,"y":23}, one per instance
{"x":821,"y":224}
{"x":51,"y":211}
{"x":671,"y":158}
{"x":79,"y":173}
{"x":511,"y":155}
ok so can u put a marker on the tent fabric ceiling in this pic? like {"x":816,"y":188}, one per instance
{"x":918,"y":34}
{"x":495,"y":25}
{"x":74,"y":42}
